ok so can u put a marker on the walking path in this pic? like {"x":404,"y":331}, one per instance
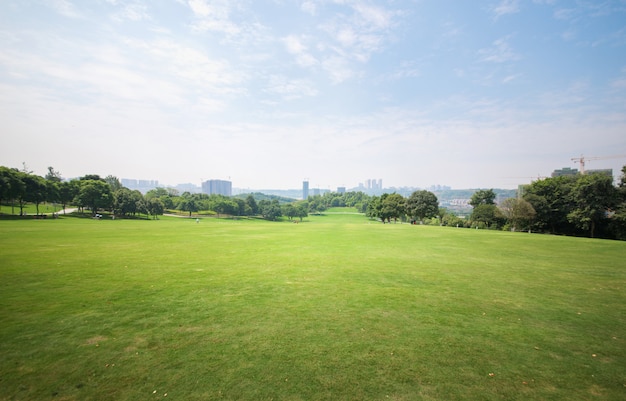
{"x":63,"y":211}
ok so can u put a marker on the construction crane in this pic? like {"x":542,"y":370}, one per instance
{"x":582,"y":159}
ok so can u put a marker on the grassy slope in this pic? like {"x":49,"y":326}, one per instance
{"x":334,"y":308}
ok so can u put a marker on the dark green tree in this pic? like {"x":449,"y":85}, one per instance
{"x":251,"y":202}
{"x":593,"y":196}
{"x":35,"y":191}
{"x":374,"y":208}
{"x":421,"y":205}
{"x":11,"y":185}
{"x":552,"y":200}
{"x":618,"y":218}
{"x":222,"y":205}
{"x":519,"y":213}
{"x":53,"y":175}
{"x":302,"y":210}
{"x":289,"y":210}
{"x":113,"y":182}
{"x":67,"y":192}
{"x":483,"y":197}
{"x":488,"y":214}
{"x":270,"y":210}
{"x":125,"y":201}
{"x":393,"y":206}
{"x":94,"y":194}
{"x":188,"y":203}
{"x":155,"y":207}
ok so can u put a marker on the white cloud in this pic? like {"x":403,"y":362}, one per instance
{"x":567,"y":14}
{"x":65,"y":8}
{"x":295,"y":46}
{"x":408,"y":69}
{"x":213,"y":15}
{"x":291,"y":88}
{"x":131,"y":10}
{"x":373,"y":18}
{"x":511,"y":78}
{"x":309,"y":7}
{"x":506,"y":7}
{"x":190,"y":64}
{"x":338,"y":69}
{"x":347,"y":37}
{"x":499,"y":52}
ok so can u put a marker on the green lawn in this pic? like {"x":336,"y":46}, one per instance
{"x":335,"y":308}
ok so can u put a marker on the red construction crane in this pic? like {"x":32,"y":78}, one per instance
{"x":582,"y":159}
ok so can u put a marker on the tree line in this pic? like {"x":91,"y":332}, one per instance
{"x":91,"y":192}
{"x":581,"y":205}
{"x":94,"y":193}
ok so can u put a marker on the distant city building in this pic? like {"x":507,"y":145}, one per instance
{"x":564,"y":171}
{"x":439,"y":188}
{"x":142,"y":186}
{"x":606,"y":171}
{"x":217,"y":187}
{"x":188,"y":187}
{"x":341,"y":190}
{"x":573,"y":171}
{"x":316,"y":191}
{"x":305,"y":189}
{"x":374,"y":185}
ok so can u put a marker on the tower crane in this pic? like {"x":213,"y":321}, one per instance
{"x":582,"y":159}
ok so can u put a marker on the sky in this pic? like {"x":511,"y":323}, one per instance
{"x":268,"y":93}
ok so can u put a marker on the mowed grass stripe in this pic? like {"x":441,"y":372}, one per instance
{"x":336,"y":307}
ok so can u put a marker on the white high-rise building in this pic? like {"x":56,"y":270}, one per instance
{"x":217,"y":187}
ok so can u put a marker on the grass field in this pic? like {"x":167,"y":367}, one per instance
{"x":334,"y":308}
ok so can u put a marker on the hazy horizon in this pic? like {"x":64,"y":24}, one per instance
{"x":269,"y":93}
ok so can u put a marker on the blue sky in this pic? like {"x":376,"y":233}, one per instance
{"x":268,"y":93}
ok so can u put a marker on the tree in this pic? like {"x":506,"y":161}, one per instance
{"x":241,"y":207}
{"x":289,"y":210}
{"x":53,"y":175}
{"x":5,"y":185}
{"x":452,"y":220}
{"x":164,"y":195}
{"x":251,"y":202}
{"x":124,"y":202}
{"x":188,"y":203}
{"x":302,"y":210}
{"x":593,"y":196}
{"x":393,"y":207}
{"x":552,"y":201}
{"x":94,"y":194}
{"x":222,"y":205}
{"x":316,"y":205}
{"x":486,"y":214}
{"x":155,"y":207}
{"x":53,"y":191}
{"x":67,"y":192}
{"x":374,"y":208}
{"x":142,"y":206}
{"x":35,"y":191}
{"x":270,"y":210}
{"x":618,"y":219}
{"x":94,"y":177}
{"x":11,"y":185}
{"x":483,"y":197}
{"x":421,"y":205}
{"x":113,"y":182}
{"x":519,"y":212}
